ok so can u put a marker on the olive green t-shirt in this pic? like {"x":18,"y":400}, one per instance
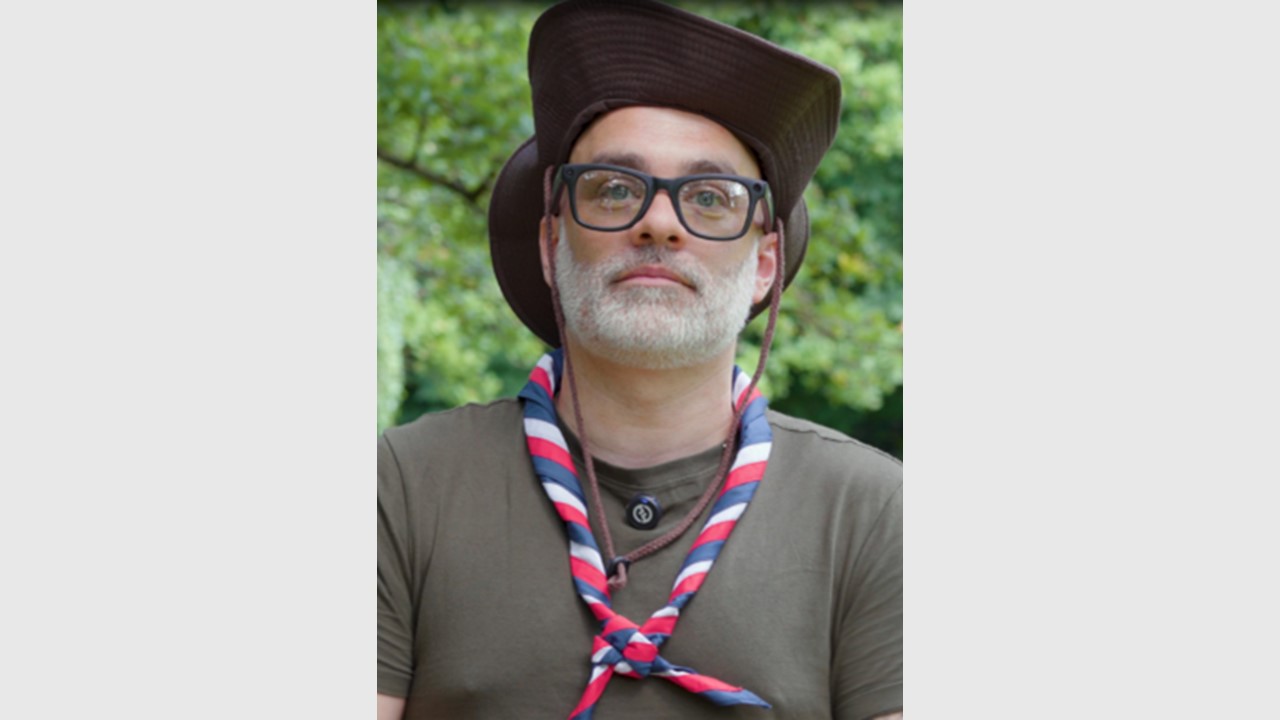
{"x":478,"y":616}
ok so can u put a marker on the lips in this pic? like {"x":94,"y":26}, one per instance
{"x":654,"y":275}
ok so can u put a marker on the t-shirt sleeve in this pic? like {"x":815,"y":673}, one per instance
{"x":395,"y":604}
{"x":867,"y":665}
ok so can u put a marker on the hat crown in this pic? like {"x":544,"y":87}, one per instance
{"x":587,"y":57}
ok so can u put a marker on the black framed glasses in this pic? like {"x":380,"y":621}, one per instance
{"x":612,"y":198}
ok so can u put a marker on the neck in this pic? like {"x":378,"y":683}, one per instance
{"x":640,"y":418}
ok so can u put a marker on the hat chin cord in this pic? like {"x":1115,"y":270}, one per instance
{"x":617,"y":566}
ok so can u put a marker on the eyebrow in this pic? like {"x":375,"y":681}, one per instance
{"x":709,"y":166}
{"x":636,"y":162}
{"x":626,"y":160}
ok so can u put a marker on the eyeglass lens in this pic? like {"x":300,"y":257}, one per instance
{"x":613,"y":199}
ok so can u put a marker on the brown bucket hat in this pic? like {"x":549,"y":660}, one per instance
{"x":588,"y":57}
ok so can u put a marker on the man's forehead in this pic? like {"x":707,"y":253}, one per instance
{"x":651,"y":138}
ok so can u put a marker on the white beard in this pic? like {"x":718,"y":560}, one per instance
{"x":654,"y":328}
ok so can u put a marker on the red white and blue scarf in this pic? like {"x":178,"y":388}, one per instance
{"x":623,"y":647}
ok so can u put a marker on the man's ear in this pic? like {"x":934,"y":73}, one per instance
{"x":547,"y":245}
{"x":766,"y":266}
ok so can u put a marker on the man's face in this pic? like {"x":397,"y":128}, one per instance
{"x":654,"y":295}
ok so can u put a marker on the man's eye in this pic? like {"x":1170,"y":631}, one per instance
{"x":617,"y":192}
{"x":706,"y":198}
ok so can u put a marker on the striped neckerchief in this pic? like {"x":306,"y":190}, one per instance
{"x":622,"y":646}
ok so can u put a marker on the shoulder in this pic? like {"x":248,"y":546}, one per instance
{"x":441,"y":442}
{"x":810,"y":441}
{"x":469,"y":422}
{"x":822,"y":473}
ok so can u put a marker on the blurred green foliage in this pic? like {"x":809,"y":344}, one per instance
{"x":453,"y":103}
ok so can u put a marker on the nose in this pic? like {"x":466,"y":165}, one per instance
{"x":660,"y":223}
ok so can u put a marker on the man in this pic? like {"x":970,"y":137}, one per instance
{"x":637,"y":511}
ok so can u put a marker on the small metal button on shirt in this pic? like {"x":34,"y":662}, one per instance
{"x":643,"y":512}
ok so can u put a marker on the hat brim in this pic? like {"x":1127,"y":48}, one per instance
{"x":515,"y":211}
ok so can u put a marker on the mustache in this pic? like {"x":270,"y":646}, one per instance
{"x":688,"y":270}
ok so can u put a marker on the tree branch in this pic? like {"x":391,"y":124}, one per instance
{"x":471,"y":195}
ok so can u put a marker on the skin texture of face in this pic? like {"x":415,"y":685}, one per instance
{"x":654,"y":296}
